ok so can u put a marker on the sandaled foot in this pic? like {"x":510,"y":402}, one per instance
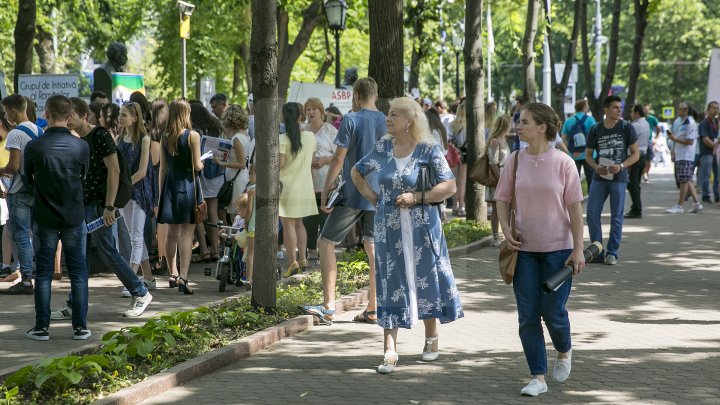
{"x":324,"y":316}
{"x":200,"y":258}
{"x":293,"y":269}
{"x":389,"y":362}
{"x":366,"y":317}
{"x":303,"y":265}
{"x":431,"y":351}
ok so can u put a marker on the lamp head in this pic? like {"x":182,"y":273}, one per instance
{"x":336,"y":14}
{"x":186,"y":8}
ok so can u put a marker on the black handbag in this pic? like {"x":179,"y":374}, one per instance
{"x":226,"y":191}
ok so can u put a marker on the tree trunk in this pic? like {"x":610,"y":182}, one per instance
{"x":264,"y":62}
{"x":386,"y":49}
{"x":245,"y":56}
{"x":329,"y":59}
{"x":474,"y":106}
{"x":24,"y":37}
{"x":45,"y":51}
{"x":419,"y":50}
{"x":289,"y":53}
{"x":560,"y":88}
{"x":237,"y":67}
{"x":641,"y":22}
{"x":529,"y":51}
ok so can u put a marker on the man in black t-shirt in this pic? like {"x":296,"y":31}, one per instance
{"x":610,"y":138}
{"x":100,"y":187}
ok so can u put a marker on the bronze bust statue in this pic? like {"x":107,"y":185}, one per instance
{"x":116,"y":59}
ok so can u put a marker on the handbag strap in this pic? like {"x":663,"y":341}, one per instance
{"x":192,"y":168}
{"x":513,"y":203}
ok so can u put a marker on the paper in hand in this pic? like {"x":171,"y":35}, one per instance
{"x":607,"y":163}
{"x":207,"y":155}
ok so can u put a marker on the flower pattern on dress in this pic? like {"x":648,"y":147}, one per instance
{"x":437,"y":294}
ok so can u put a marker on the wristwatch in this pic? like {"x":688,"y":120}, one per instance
{"x":110,"y":208}
{"x":622,"y":166}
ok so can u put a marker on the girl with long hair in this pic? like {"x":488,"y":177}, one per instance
{"x":497,"y":150}
{"x":109,"y":119}
{"x":179,"y":164}
{"x":157,"y":131}
{"x":297,"y":199}
{"x":134,"y":144}
{"x":459,"y":136}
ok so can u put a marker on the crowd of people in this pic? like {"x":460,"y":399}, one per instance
{"x":128,"y":178}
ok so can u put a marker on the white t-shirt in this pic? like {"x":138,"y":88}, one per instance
{"x":17,"y":139}
{"x":642,"y":129}
{"x":685,"y":129}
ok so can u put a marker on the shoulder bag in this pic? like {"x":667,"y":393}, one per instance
{"x":508,"y":257}
{"x":482,"y":171}
{"x":226,"y":191}
{"x":200,"y":212}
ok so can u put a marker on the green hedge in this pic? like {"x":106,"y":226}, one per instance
{"x":459,"y":232}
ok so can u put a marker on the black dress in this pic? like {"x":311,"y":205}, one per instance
{"x":178,"y":197}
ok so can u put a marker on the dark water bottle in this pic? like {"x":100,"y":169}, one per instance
{"x":554,"y":282}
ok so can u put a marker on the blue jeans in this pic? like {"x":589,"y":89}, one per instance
{"x":706,"y":167}
{"x":532,"y":270}
{"x":20,"y":223}
{"x":73,"y":245}
{"x":107,"y":249}
{"x":599,"y":191}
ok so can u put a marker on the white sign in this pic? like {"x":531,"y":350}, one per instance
{"x":713,"y":90}
{"x":560,"y":69}
{"x":207,"y":90}
{"x":340,"y":98}
{"x":3,"y":89}
{"x":570,"y":99}
{"x":40,"y":87}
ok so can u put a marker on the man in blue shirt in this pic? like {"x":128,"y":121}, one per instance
{"x":357,"y":135}
{"x":56,"y":164}
{"x":574,"y":133}
{"x":708,"y":132}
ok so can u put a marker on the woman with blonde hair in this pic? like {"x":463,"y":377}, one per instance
{"x":497,"y":150}
{"x":235,"y":120}
{"x":179,"y":166}
{"x":410,"y":177}
{"x":134,"y":143}
{"x":325,"y":134}
{"x":459,"y":139}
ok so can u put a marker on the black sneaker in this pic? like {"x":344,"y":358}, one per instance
{"x":6,"y":271}
{"x":21,"y":288}
{"x":38,"y":334}
{"x":600,"y":258}
{"x":81,"y":333}
{"x":706,"y":199}
{"x":717,"y":198}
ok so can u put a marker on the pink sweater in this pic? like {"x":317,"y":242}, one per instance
{"x":546,"y":185}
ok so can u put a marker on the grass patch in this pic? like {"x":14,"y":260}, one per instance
{"x":459,"y":232}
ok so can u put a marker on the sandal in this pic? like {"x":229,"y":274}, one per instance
{"x":390,"y":360}
{"x":293,"y":269}
{"x":172,"y":281}
{"x":183,"y":287}
{"x":324,"y":316}
{"x":364,"y":317}
{"x":428,"y":354}
{"x":303,"y":265}
{"x":200,"y":258}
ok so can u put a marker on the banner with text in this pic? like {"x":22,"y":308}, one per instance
{"x":124,"y":84}
{"x":40,"y":87}
{"x":713,"y":90}
{"x":328,"y":94}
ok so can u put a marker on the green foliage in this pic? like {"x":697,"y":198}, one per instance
{"x":460,"y":232}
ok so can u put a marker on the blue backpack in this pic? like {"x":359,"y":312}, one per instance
{"x":26,"y":186}
{"x":577,"y":139}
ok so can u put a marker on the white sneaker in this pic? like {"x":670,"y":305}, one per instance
{"x":63,"y":313}
{"x":675,"y":210}
{"x":562,"y":368}
{"x":534,"y":388}
{"x":697,"y":207}
{"x":138,"y":305}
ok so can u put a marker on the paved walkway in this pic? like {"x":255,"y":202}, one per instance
{"x":645,"y":331}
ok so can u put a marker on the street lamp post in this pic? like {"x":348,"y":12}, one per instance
{"x":458,"y":42}
{"x":336,"y":13}
{"x":186,"y":10}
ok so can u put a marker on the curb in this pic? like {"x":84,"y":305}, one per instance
{"x":471,"y":247}
{"x":221,"y":357}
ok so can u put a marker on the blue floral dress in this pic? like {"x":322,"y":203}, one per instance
{"x":414,"y":277}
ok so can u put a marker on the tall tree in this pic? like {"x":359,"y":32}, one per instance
{"x":24,"y":37}
{"x":596,"y":102}
{"x":474,"y":105}
{"x":528,"y":49}
{"x":386,"y":49}
{"x":289,"y":53}
{"x":559,"y":88}
{"x":264,"y":60}
{"x":417,"y":14}
{"x":641,"y":23}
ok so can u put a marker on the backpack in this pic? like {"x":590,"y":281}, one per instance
{"x":124,"y":191}
{"x":577,"y":139}
{"x":29,"y":132}
{"x":26,"y":187}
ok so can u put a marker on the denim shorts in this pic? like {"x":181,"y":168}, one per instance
{"x":341,"y":220}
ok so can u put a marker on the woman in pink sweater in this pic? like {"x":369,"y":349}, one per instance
{"x":549,"y":221}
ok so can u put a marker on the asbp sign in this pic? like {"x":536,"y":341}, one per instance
{"x":124,"y":84}
{"x":341,"y":98}
{"x":40,"y":87}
